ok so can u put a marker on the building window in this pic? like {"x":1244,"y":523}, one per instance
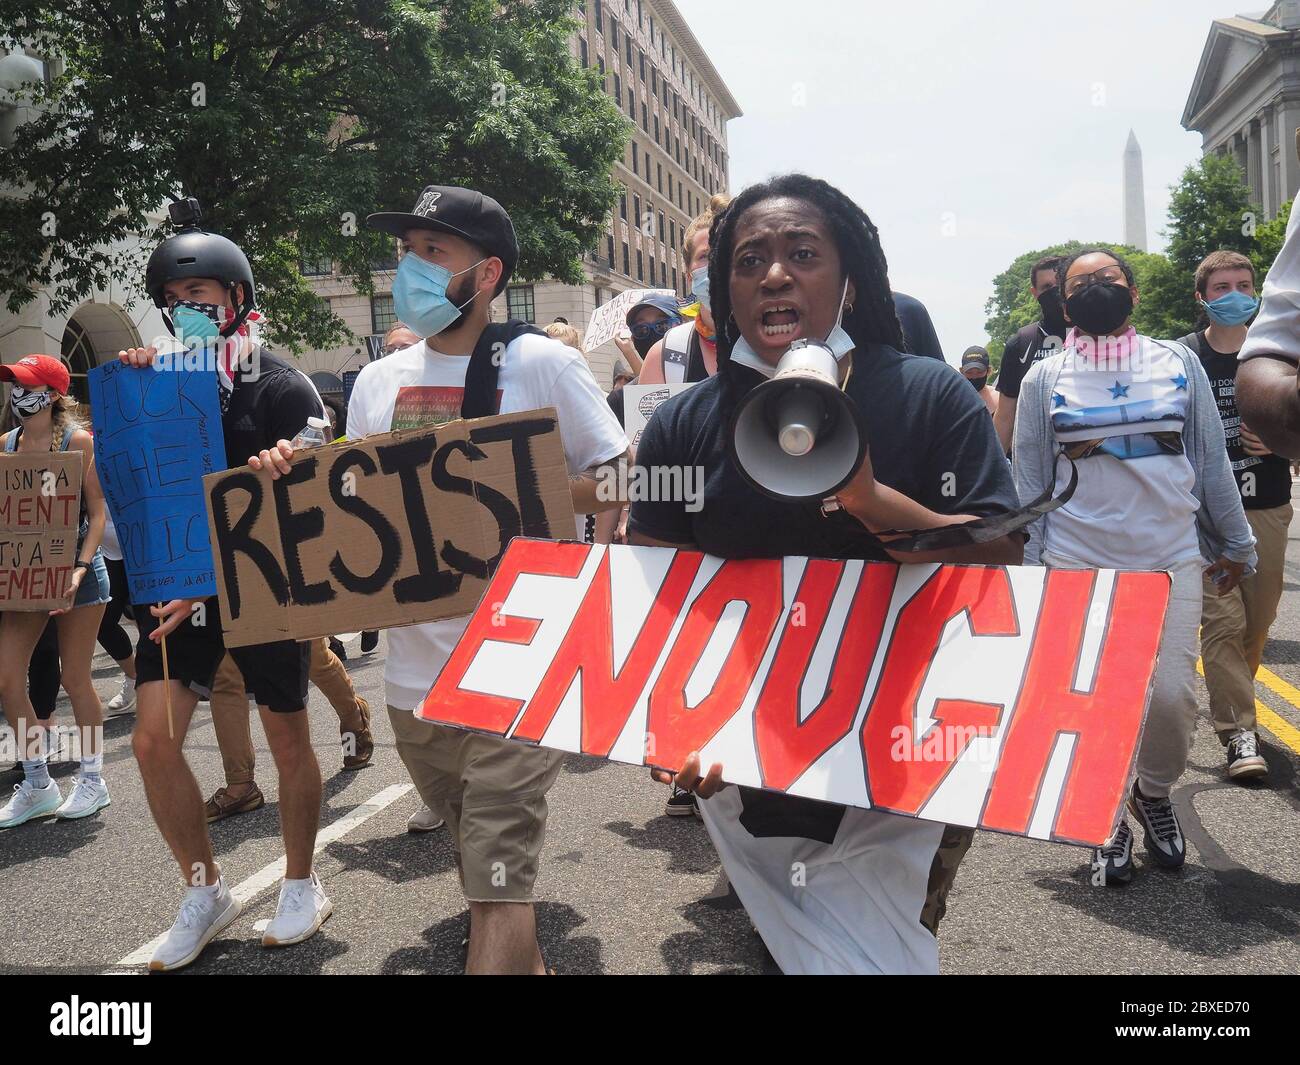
{"x":627,"y":40}
{"x":613,"y":32}
{"x":618,"y":88}
{"x":582,"y":49}
{"x":519,"y":302}
{"x":654,"y":81}
{"x":640,"y":273}
{"x":645,"y":117}
{"x":622,"y":205}
{"x":600,"y":63}
{"x":663,"y":276}
{"x":674,"y":279}
{"x":610,"y":247}
{"x":626,"y":269}
{"x":659,"y":173}
{"x":631,"y":105}
{"x":382,"y":315}
{"x":636,"y":206}
{"x":656,"y":129}
{"x":636,"y":157}
{"x":641,"y":54}
{"x":672,"y":233}
{"x":661,"y":225}
{"x":315,"y":267}
{"x":652,"y":268}
{"x":600,"y":18}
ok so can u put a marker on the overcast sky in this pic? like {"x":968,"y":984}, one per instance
{"x":1003,"y":122}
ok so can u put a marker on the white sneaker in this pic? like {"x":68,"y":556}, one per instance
{"x":201,"y":918}
{"x":87,"y":797}
{"x":303,"y":908}
{"x":424,"y":820}
{"x":28,"y":802}
{"x":124,"y":701}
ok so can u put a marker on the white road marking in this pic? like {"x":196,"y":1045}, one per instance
{"x":270,"y":875}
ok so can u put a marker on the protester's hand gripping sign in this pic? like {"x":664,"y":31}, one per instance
{"x":157,"y":434}
{"x":997,"y":697}
{"x":398,"y":529}
{"x":40,"y":511}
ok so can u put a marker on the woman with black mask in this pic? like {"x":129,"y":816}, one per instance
{"x":1155,"y":492}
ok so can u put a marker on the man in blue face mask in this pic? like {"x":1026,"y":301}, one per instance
{"x":459,"y":250}
{"x":1234,"y":627}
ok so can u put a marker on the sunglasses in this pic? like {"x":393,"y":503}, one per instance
{"x":648,"y":330}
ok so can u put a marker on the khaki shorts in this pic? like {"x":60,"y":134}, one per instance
{"x":492,"y":793}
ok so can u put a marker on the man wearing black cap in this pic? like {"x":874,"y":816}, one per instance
{"x":975,"y":368}
{"x":459,"y":250}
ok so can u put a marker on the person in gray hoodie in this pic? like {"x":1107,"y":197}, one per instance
{"x":1137,"y":419}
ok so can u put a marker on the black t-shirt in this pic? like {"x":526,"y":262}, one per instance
{"x":269,"y":404}
{"x":1263,"y":481}
{"x":919,"y":337}
{"x":1030,"y":345}
{"x":929,"y":434}
{"x":615,"y":399}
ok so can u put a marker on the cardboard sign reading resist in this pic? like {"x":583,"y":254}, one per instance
{"x":394,"y":530}
{"x":998,"y":697}
{"x":40,"y":511}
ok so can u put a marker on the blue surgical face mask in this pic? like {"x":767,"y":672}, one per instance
{"x":1232,"y":308}
{"x":700,"y":285}
{"x":195,"y":324}
{"x":420,"y":295}
{"x":837,"y":340}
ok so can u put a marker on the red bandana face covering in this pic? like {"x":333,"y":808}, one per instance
{"x":227,"y":348}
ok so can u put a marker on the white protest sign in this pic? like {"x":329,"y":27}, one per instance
{"x":641,"y":401}
{"x":610,"y":316}
{"x":1009,"y":698}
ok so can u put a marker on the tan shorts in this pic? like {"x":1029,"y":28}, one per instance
{"x":492,"y":793}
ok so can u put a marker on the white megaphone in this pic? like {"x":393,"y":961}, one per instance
{"x":797,"y":436}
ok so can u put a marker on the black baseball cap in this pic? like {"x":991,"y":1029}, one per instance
{"x":464,"y":212}
{"x":974,"y":356}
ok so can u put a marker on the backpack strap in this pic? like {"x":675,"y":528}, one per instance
{"x":677,"y":352}
{"x":480,"y":397}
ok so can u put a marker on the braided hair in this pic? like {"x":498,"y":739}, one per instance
{"x":873,"y":318}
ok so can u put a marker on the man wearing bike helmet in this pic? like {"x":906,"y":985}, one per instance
{"x":204,"y":284}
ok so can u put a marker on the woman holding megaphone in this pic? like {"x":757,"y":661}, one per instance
{"x":800,"y":292}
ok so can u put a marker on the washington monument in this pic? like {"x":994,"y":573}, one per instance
{"x":1135,"y":212}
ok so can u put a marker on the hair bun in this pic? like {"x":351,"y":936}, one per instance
{"x":718,"y":202}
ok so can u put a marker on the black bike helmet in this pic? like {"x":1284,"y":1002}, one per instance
{"x":196,"y":253}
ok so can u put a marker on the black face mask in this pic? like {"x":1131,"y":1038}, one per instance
{"x":978,"y":382}
{"x":1099,"y":308}
{"x":1053,"y":313}
{"x":644,"y":344}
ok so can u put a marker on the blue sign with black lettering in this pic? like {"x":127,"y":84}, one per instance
{"x":157,"y":433}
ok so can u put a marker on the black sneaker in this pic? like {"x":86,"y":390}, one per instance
{"x":682,"y":804}
{"x":1112,"y":862}
{"x":336,"y":645}
{"x":1164,"y":837}
{"x":369,"y":640}
{"x":1244,"y":760}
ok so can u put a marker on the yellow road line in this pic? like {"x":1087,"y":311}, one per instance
{"x":1268,"y":717}
{"x":1279,"y":687}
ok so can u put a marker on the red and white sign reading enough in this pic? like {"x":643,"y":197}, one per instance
{"x":1004,"y":698}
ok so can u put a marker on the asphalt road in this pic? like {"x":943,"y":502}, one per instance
{"x":628,"y":890}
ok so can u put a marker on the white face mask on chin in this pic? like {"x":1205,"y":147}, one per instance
{"x":837,"y":340}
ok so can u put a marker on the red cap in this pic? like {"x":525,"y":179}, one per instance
{"x":33,"y":370}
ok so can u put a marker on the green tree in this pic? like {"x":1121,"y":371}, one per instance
{"x":290,"y":120}
{"x":1268,"y":241}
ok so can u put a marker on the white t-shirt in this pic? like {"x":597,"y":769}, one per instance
{"x":109,"y":545}
{"x":536,"y":371}
{"x":1276,"y":329}
{"x":1133,"y":507}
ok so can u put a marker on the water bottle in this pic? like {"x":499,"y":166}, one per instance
{"x":311,"y":435}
